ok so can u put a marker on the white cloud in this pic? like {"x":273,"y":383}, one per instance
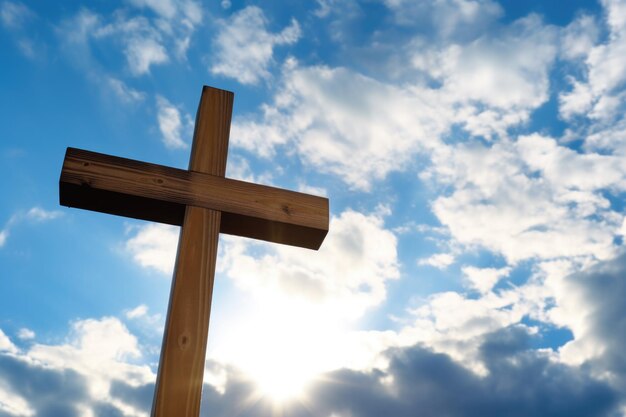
{"x":26,"y":334}
{"x":149,"y":324}
{"x":577,"y":101}
{"x":40,"y":215}
{"x":145,"y":42}
{"x":244,"y":47}
{"x":98,"y":349}
{"x":322,"y":291}
{"x":324,"y":8}
{"x":142,"y":53}
{"x":239,"y":168}
{"x":335,"y":120}
{"x":13,"y":404}
{"x":96,"y":357}
{"x":4,"y":234}
{"x":601,"y":94}
{"x":484,"y":279}
{"x":438,"y":260}
{"x":172,"y":125}
{"x":507,"y":72}
{"x":531,"y":199}
{"x":451,"y":323}
{"x":347,"y":275}
{"x":309,"y":189}
{"x":579,"y":37}
{"x":300,"y":303}
{"x":139,"y":311}
{"x":154,"y":246}
{"x":566,"y":168}
{"x":6,"y":345}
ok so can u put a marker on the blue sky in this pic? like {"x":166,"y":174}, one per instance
{"x":474,"y":155}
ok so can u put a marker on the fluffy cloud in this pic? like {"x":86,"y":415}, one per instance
{"x":335,"y":119}
{"x":244,"y":48}
{"x":500,"y":203}
{"x":579,"y":37}
{"x":600,"y":93}
{"x":26,"y":334}
{"x":142,"y":53}
{"x":438,"y":260}
{"x":172,"y":124}
{"x":154,"y":246}
{"x":414,"y":378}
{"x":77,"y":377}
{"x":347,"y":275}
{"x":590,"y":303}
{"x":6,"y":345}
{"x":484,"y":279}
{"x":495,"y":80}
{"x":143,"y":42}
{"x":419,"y":379}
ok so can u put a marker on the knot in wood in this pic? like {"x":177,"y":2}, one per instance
{"x":286,"y":209}
{"x":184,"y":340}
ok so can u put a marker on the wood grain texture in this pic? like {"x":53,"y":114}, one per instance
{"x":104,"y":183}
{"x":181,"y":368}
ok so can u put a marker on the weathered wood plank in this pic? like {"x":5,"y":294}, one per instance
{"x":181,"y":368}
{"x":158,"y":193}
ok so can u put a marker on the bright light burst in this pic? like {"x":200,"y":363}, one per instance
{"x":282,"y":345}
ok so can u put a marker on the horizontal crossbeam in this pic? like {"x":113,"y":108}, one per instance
{"x":141,"y":190}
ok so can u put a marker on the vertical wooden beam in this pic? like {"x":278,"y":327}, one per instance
{"x":181,"y":368}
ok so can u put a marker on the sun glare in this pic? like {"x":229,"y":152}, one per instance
{"x":282,"y":346}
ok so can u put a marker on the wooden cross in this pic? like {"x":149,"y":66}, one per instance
{"x":204,"y":203}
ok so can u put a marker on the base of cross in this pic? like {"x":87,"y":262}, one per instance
{"x":204,"y":203}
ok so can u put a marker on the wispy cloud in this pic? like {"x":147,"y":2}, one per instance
{"x":14,"y":15}
{"x":20,"y":21}
{"x":438,"y":260}
{"x":124,"y":92}
{"x":34,"y":214}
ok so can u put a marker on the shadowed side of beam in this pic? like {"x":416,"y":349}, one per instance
{"x":157,"y":193}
